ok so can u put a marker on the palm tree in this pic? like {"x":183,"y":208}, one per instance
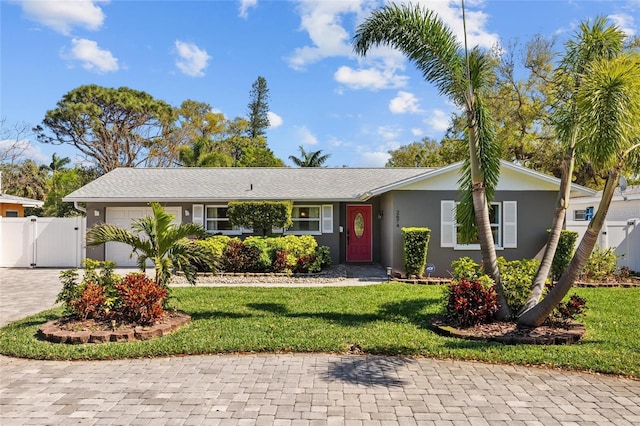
{"x":592,"y":42}
{"x":309,"y":159}
{"x":155,"y":238}
{"x":462,"y":76}
{"x":608,"y":106}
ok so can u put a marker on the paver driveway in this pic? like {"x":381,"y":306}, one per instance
{"x":293,"y":389}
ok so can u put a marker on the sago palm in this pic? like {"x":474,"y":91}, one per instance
{"x":157,"y":239}
{"x":608,"y":102}
{"x":463,"y":77}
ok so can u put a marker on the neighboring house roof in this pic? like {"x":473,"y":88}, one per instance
{"x":631,"y":193}
{"x":26,"y":202}
{"x":300,"y":184}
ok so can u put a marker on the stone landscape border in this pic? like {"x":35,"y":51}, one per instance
{"x":526,"y":336}
{"x":52,"y":332}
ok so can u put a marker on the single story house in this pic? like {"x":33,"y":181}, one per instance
{"x":357,"y":212}
{"x":13,"y":206}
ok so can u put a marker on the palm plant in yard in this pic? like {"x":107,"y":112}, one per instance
{"x":593,"y":42}
{"x":158,"y":239}
{"x":462,"y":76}
{"x":608,"y":106}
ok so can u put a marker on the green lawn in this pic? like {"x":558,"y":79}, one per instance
{"x":386,"y":319}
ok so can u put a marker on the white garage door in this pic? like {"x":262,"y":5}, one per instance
{"x":122,"y":217}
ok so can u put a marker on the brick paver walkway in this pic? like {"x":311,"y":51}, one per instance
{"x":297,"y":389}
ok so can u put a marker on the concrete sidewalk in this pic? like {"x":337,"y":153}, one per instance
{"x":291,"y":389}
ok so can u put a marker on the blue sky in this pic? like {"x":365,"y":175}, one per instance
{"x":321,"y":95}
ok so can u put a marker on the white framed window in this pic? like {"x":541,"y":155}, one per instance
{"x":580,"y":215}
{"x":216,"y":221}
{"x":306,"y":220}
{"x":503,"y":219}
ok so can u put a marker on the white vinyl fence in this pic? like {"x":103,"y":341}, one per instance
{"x":45,"y":242}
{"x":623,"y":236}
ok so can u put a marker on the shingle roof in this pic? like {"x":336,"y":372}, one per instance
{"x":209,"y":184}
{"x":14,"y":199}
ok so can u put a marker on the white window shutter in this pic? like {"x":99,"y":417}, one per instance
{"x":510,"y":224}
{"x":197,"y":214}
{"x":327,"y":218}
{"x":447,"y":223}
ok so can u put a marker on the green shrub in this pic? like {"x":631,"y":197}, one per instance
{"x":517,"y":277}
{"x":466,"y":268}
{"x":210,"y":252}
{"x":294,"y":246}
{"x":564,"y":253}
{"x":415,"y":246}
{"x":601,"y":266}
{"x":96,"y":272}
{"x":260,"y":215}
{"x":266,"y":252}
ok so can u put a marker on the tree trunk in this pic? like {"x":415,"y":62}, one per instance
{"x":536,"y":315}
{"x":554,"y":235}
{"x":487,"y":247}
{"x":483,"y":223}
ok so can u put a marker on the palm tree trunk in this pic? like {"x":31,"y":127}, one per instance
{"x":483,"y":223}
{"x":554,"y":235}
{"x":536,"y":316}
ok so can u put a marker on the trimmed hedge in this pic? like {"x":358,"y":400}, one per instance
{"x":415,"y":246}
{"x":564,"y":253}
{"x":262,"y":215}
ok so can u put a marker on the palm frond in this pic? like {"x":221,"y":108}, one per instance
{"x":423,"y":37}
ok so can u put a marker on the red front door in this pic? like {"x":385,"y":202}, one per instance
{"x":359,"y":233}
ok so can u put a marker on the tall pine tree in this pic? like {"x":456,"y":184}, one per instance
{"x":258,"y":108}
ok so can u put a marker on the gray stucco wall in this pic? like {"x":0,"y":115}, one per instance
{"x":422,"y":208}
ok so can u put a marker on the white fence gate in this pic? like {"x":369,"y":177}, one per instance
{"x":51,"y":242}
{"x":623,"y":236}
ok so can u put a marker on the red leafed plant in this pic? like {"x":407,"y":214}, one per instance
{"x":142,"y":298}
{"x":471,"y":303}
{"x":90,"y":303}
{"x":570,"y":309}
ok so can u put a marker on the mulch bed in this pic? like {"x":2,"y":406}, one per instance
{"x":75,"y":331}
{"x":564,"y":333}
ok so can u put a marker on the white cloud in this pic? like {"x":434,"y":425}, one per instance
{"x":450,"y":12}
{"x":625,"y":22}
{"x":322,"y":20}
{"x":417,"y":132}
{"x":245,"y":5}
{"x":373,"y":159}
{"x":305,"y":136}
{"x":388,"y":133}
{"x":274,"y":120}
{"x":374,"y":79}
{"x":191,"y":60}
{"x":92,"y":57}
{"x":404,"y":102}
{"x":63,"y":15}
{"x":25,"y":149}
{"x":438,"y":120}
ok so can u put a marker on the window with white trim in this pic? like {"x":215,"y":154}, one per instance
{"x":11,"y":213}
{"x":306,"y":220}
{"x":217,"y":221}
{"x":503,"y":219}
{"x":311,"y":219}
